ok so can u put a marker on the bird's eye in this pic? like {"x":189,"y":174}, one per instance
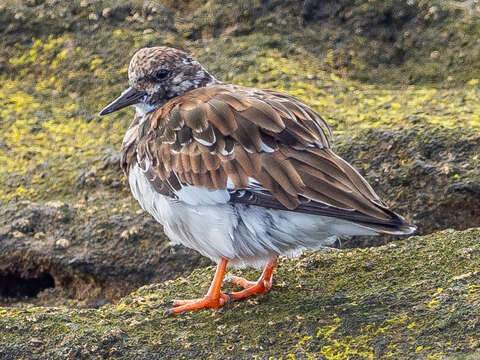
{"x":160,"y":74}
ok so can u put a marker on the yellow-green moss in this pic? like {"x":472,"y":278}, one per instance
{"x":51,"y":132}
{"x":355,"y":304}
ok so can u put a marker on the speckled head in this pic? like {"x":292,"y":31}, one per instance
{"x":158,"y":74}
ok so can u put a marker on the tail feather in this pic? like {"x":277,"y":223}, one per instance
{"x":394,"y":225}
{"x":398,"y":226}
{"x":390,"y":223}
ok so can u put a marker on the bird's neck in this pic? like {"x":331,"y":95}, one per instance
{"x":142,"y":108}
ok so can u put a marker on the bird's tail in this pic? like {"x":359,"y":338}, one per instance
{"x":397,"y":225}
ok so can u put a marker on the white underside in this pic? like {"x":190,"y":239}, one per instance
{"x":245,"y":235}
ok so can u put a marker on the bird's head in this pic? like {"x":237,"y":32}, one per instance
{"x":156,"y":75}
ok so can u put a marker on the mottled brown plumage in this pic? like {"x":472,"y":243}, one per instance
{"x":220,"y":132}
{"x":239,"y":174}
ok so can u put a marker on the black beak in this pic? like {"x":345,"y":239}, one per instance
{"x":130,"y":96}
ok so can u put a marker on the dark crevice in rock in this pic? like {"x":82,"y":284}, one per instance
{"x":16,"y":285}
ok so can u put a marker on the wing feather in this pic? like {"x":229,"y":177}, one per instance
{"x":263,"y":115}
{"x":247,"y":134}
{"x":223,"y":118}
{"x":266,"y":148}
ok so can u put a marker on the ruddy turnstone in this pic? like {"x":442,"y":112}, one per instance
{"x":241,"y":175}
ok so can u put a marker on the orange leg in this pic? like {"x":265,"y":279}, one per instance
{"x":213,"y":299}
{"x":263,"y":284}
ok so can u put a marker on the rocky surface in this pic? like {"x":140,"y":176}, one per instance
{"x":74,"y":244}
{"x":91,"y":255}
{"x":415,"y":299}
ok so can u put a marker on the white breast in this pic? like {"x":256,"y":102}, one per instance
{"x":245,"y":235}
{"x":199,"y":219}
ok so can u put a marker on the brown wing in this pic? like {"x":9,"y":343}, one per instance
{"x":267,"y":148}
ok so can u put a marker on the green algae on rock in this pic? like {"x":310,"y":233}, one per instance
{"x":418,"y":298}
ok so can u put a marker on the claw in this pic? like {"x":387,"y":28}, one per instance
{"x":168,"y":312}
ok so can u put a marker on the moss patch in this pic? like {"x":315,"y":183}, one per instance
{"x":418,"y":298}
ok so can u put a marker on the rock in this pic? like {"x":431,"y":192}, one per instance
{"x":62,"y":243}
{"x":93,"y":17}
{"x":106,"y":12}
{"x":417,"y":299}
{"x":425,"y":173}
{"x":158,"y":16}
{"x":90,"y":253}
{"x":17,"y":234}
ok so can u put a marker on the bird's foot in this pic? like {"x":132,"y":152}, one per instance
{"x":249,"y":287}
{"x":197,"y":304}
{"x":239,"y":281}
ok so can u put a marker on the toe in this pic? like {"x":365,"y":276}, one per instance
{"x":258,"y":288}
{"x":239,"y":281}
{"x":197,"y":304}
{"x":168,"y":312}
{"x":180,"y":302}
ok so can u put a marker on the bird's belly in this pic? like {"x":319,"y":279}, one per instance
{"x":207,"y":229}
{"x":245,"y":235}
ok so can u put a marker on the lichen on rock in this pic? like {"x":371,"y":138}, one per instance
{"x":418,"y":298}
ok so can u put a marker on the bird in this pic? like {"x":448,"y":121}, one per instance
{"x":241,"y":175}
